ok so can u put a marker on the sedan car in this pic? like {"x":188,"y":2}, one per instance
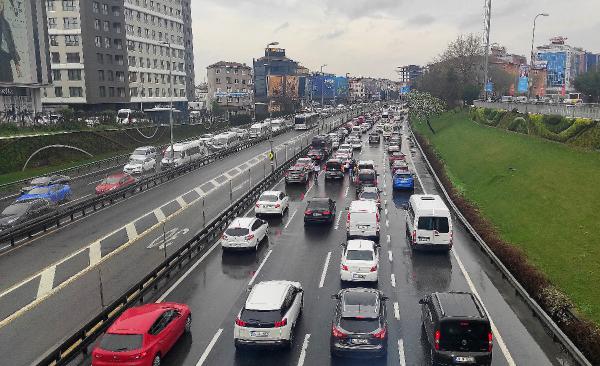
{"x":355,"y":143}
{"x":56,"y":193}
{"x":316,"y":154}
{"x":46,"y":181}
{"x":297,"y":174}
{"x":140,"y":165}
{"x":244,"y":233}
{"x":359,"y":326}
{"x":374,"y":138}
{"x":320,"y":210}
{"x":393,"y":148}
{"x":395,"y":156}
{"x":272,"y":203}
{"x":114,"y":182}
{"x":308,"y":163}
{"x":20,"y":212}
{"x":403,"y":180}
{"x":399,"y":166}
{"x":143,"y":335}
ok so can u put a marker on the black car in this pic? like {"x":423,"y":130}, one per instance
{"x":359,"y":326}
{"x":457,"y":329}
{"x":374,"y":138}
{"x":320,"y":210}
{"x":20,"y":212}
{"x":46,"y":181}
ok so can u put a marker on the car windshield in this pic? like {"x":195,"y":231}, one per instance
{"x":304,"y":161}
{"x":121,"y":342}
{"x":136,"y":161}
{"x":466,"y":336}
{"x":268,"y":198}
{"x":397,"y":153}
{"x":359,"y":255}
{"x":139,"y":152}
{"x":170,"y":155}
{"x":42,"y":181}
{"x":111,"y":180}
{"x":237,"y":231}
{"x":39,"y":190}
{"x":359,"y":325}
{"x":440,"y":224}
{"x":16,"y":209}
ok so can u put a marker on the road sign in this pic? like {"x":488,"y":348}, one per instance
{"x":271,"y":155}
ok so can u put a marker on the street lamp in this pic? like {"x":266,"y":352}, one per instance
{"x":268,"y":67}
{"x":322,"y":86}
{"x":168,"y":44}
{"x":532,"y":41}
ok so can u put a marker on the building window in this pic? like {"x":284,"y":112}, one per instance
{"x":228,"y":79}
{"x":107,"y":42}
{"x":100,"y":58}
{"x":72,"y":40}
{"x":53,"y":41}
{"x":120,"y":76}
{"x":121,"y":92}
{"x":55,"y":57}
{"x":71,"y":23}
{"x":56,"y":75}
{"x":111,"y":92}
{"x":58,"y":92}
{"x":109,"y":59}
{"x":74,"y":74}
{"x":98,"y":41}
{"x":134,"y":92}
{"x":217,"y":71}
{"x":116,"y":10}
{"x":50,"y":5}
{"x":102,"y":91}
{"x":96,"y":7}
{"x":52,"y":23}
{"x":100,"y":75}
{"x":75,"y":92}
{"x":106,"y":26}
{"x":105,"y":9}
{"x":73,"y":57}
{"x":119,"y":60}
{"x":117,"y":28}
{"x":111,"y":75}
{"x":97,"y":24}
{"x":118,"y":44}
{"x":69,"y":5}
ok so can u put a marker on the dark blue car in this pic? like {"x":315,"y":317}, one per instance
{"x":403,"y":180}
{"x":55,"y":193}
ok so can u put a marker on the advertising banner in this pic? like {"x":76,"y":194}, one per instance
{"x":275,"y":89}
{"x":405,"y":89}
{"x":292,"y":87}
{"x":323,"y":85}
{"x":523,"y":85}
{"x":341,"y":87}
{"x":489,"y":87}
{"x":17,"y":54}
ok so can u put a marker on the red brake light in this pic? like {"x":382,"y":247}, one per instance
{"x":380,"y":334}
{"x":257,"y":205}
{"x":437,"y":340}
{"x":249,"y":236}
{"x":240,"y":322}
{"x":344,"y":267}
{"x":139,"y":355}
{"x":277,"y":205}
{"x":490,"y":341}
{"x":308,"y":212}
{"x":282,"y":323}
{"x":337,"y":333}
{"x":348,"y":217}
{"x":326,"y":212}
{"x":374,"y":268}
{"x":377,"y":216}
{"x":414,"y":236}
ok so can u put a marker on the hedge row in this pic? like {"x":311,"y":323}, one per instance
{"x":584,"y":333}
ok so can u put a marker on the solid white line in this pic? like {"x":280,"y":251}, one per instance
{"x":160,"y":216}
{"x":95,"y":253}
{"x":337,"y":221}
{"x":132,"y":233}
{"x":324,"y":273}
{"x":46,"y":281}
{"x":416,"y":172}
{"x":187,"y":273}
{"x":401,"y":352}
{"x":497,"y":335}
{"x":387,"y":223}
{"x":304,"y":348}
{"x":290,"y":219}
{"x":209,"y":347}
{"x":390,"y":256}
{"x":397,"y":311}
{"x":393,"y":280}
{"x":260,"y":267}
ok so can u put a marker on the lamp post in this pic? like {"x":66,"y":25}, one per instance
{"x":268,"y":73}
{"x":322,"y":86}
{"x":168,"y":44}
{"x":532,"y":42}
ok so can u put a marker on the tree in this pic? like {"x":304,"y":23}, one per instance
{"x":424,"y":106}
{"x":502,"y":80}
{"x":589,"y":84}
{"x":465,"y":55}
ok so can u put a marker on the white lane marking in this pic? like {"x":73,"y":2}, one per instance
{"x":304,"y":348}
{"x":199,"y":191}
{"x":417,"y":173}
{"x":132,"y":233}
{"x":324,"y":273}
{"x":337,"y":221}
{"x":209,"y":348}
{"x":388,"y":238}
{"x":187,"y":273}
{"x":290,"y":219}
{"x":385,"y":202}
{"x":401,"y":352}
{"x":260,"y":267}
{"x":387,"y":223}
{"x":95,"y":253}
{"x":393,"y":280}
{"x":96,"y":181}
{"x":390,"y":256}
{"x":46,"y":281}
{"x":181,"y":202}
{"x":386,"y":211}
{"x":160,"y":216}
{"x":499,"y":339}
{"x":397,"y":311}
{"x":346,"y":191}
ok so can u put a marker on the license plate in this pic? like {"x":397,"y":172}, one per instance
{"x":363,"y":227}
{"x":359,"y":341}
{"x":464,"y":359}
{"x":317,"y":214}
{"x":358,"y":276}
{"x":256,"y":333}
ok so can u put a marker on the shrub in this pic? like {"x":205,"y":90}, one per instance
{"x":578,"y":125}
{"x":556,"y":123}
{"x":518,"y":125}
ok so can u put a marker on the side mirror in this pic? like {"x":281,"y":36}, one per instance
{"x":343,"y":244}
{"x":422,"y":302}
{"x":335,"y":296}
{"x":346,"y":208}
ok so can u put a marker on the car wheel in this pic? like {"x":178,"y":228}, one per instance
{"x":156,"y":360}
{"x":188,"y":324}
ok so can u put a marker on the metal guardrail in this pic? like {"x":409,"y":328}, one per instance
{"x":79,"y":342}
{"x":557,"y":334}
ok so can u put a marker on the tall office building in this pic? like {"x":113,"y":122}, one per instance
{"x":109,"y":54}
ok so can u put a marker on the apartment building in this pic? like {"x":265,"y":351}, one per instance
{"x":109,"y":54}
{"x":230,"y":86}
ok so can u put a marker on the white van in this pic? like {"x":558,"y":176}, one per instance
{"x":362,"y":220}
{"x":225,"y":140}
{"x":259,"y":129}
{"x":183,"y":153}
{"x":428,"y":222}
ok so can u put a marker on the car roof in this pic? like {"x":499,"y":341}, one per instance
{"x":319,"y":199}
{"x":366,"y":171}
{"x":429,"y":204}
{"x":459,"y":305}
{"x":244,"y":222}
{"x":138,"y":319}
{"x":360,"y":245}
{"x":271,"y":193}
{"x":363,"y":206}
{"x":268,"y":295}
{"x":365,"y":162}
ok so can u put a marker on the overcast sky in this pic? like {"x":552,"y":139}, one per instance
{"x":372,"y":37}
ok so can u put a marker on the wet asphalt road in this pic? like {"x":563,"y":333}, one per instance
{"x":217,"y":286}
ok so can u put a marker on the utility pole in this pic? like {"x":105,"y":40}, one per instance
{"x":532,"y":55}
{"x":487,"y":21}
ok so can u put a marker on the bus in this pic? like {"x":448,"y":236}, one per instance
{"x":574,"y":99}
{"x":305,"y":121}
{"x":125,"y":117}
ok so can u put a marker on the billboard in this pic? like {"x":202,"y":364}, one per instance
{"x":276,"y":83}
{"x":341,"y":87}
{"x":523,"y":85}
{"x":323,"y":85}
{"x":292,"y":87}
{"x":556,"y":63}
{"x":17,"y":53}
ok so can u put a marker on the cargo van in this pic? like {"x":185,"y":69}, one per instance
{"x":428,"y":223}
{"x":362,"y":220}
{"x":183,"y":153}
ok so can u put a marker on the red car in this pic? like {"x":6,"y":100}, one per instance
{"x":395,"y":156}
{"x":141,"y":336}
{"x":114,"y":182}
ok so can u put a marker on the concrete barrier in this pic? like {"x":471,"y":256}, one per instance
{"x":582,"y":111}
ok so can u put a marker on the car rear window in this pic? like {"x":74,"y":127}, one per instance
{"x":121,"y":342}
{"x":402,"y":176}
{"x":237,"y":231}
{"x":318,"y":204}
{"x":366,"y":166}
{"x":268,"y":198}
{"x":369,"y":195}
{"x":465,"y":336}
{"x":257,"y":318}
{"x":439,"y":224}
{"x":359,"y":255}
{"x":359,"y":325}
{"x":366,"y":177}
{"x":336,"y":165}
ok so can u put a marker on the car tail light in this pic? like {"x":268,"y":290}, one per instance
{"x":348,"y":218}
{"x":239,"y":322}
{"x":337,"y":332}
{"x":308,"y":212}
{"x":374,"y":268}
{"x":224,"y":237}
{"x":282,"y":323}
{"x":414,"y":236}
{"x":380,"y":334}
{"x":139,"y":355}
{"x":277,"y":205}
{"x":249,"y":236}
{"x":490,"y":341}
{"x":377,"y":216}
{"x":344,"y":267}
{"x":327,"y":212}
{"x":257,"y":205}
{"x":437,"y":340}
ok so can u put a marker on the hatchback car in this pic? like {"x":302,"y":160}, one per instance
{"x":56,"y":193}
{"x":140,"y":165}
{"x":360,"y":261}
{"x":20,"y":212}
{"x":272,"y":203}
{"x":395,"y":156}
{"x":297,"y":174}
{"x":457,"y":328}
{"x":270,"y":315}
{"x":393,"y":148}
{"x":244,"y":233}
{"x":403,"y":180}
{"x":46,"y":181}
{"x":399,"y":166}
{"x":334,"y":169}
{"x":308,"y":163}
{"x":355,"y":143}
{"x":359,"y":326}
{"x":316,"y":154}
{"x":374,"y":138}
{"x":365,"y":178}
{"x":143,"y":335}
{"x":320,"y":210}
{"x":114,"y":182}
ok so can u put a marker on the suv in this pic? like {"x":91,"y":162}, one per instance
{"x":457,"y":328}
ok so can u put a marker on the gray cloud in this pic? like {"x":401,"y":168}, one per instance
{"x":421,"y":20}
{"x":282,"y":27}
{"x":354,"y":9}
{"x":333,"y":34}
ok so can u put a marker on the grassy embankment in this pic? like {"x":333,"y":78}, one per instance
{"x":542,"y":196}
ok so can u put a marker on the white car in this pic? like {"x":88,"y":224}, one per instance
{"x":393,"y":148}
{"x":360,"y":261}
{"x":244,"y":233}
{"x":355,"y":143}
{"x":269,"y":315}
{"x":139,"y":165}
{"x":272,"y":203}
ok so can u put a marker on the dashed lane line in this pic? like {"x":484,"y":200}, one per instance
{"x":304,"y":350}
{"x":390,"y":256}
{"x":95,"y":253}
{"x":396,"y":311}
{"x":393,"y":280}
{"x":260,"y":267}
{"x":209,"y":348}
{"x":401,"y":352}
{"x":324,"y":273}
{"x":290,"y":219}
